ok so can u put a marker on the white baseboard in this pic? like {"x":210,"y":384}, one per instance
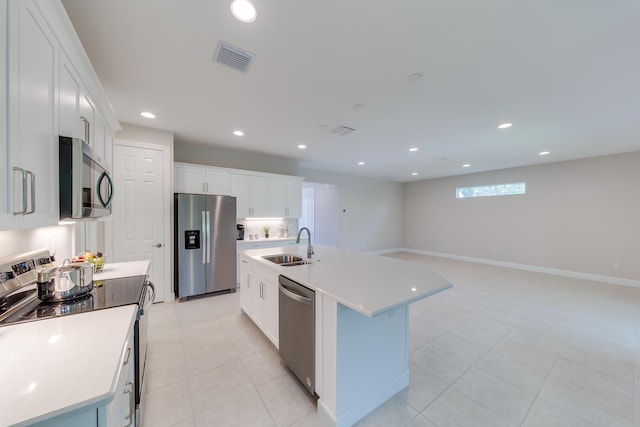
{"x":387,"y":251}
{"x":538,"y":269}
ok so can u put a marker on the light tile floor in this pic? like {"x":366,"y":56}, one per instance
{"x":502,"y":348}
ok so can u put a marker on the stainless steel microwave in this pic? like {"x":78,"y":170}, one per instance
{"x":86,"y":189}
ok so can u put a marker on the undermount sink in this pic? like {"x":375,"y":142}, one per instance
{"x":286,"y":260}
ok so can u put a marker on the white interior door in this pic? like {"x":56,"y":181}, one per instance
{"x":141,"y":209}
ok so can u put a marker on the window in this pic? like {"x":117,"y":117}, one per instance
{"x":491,"y":190}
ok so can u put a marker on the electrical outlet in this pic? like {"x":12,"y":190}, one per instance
{"x":616,"y":265}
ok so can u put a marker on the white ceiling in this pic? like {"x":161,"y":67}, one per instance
{"x":565,"y":73}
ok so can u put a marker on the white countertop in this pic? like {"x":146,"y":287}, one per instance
{"x":122,"y":269}
{"x":55,"y":366}
{"x":369,"y":284}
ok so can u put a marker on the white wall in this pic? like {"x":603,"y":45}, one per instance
{"x":145,"y":134}
{"x":373,"y":208}
{"x":234,"y":159}
{"x":580,"y":216}
{"x":370,"y":210}
{"x":327,"y":214}
{"x":57,"y":239}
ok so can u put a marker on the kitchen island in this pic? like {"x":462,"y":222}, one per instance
{"x":361,"y":321}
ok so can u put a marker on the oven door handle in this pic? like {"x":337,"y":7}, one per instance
{"x":146,"y":302}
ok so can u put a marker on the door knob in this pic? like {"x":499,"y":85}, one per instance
{"x":157,"y":245}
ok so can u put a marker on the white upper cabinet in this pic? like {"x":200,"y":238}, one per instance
{"x":196,"y":179}
{"x":69,"y":99}
{"x":252,"y":194}
{"x":46,"y":85}
{"x":98,"y":134}
{"x":241,"y":189}
{"x":257,"y":194}
{"x":32,"y":123}
{"x":6,"y":219}
{"x":286,"y":197}
{"x":217,"y":181}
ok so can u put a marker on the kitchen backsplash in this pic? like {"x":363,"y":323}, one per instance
{"x":257,"y":227}
{"x":58,"y":239}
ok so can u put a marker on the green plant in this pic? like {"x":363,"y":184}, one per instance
{"x":265,"y":229}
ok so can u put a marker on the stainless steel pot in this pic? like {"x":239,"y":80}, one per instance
{"x":64,"y":283}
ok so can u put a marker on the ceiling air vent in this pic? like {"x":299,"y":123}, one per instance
{"x":342,"y":130}
{"x":233,"y":56}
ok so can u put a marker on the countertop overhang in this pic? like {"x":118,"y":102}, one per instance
{"x":368,"y":284}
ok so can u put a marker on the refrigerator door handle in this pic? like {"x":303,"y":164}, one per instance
{"x":204,"y":239}
{"x":208,"y":234}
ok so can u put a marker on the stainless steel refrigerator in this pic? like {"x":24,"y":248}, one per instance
{"x":205,"y":239}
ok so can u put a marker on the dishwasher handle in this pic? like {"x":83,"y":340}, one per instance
{"x":294,"y":296}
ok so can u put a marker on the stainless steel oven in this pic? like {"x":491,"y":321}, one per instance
{"x":140,"y":337}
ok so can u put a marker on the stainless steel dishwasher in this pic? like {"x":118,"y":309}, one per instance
{"x":297,"y":330}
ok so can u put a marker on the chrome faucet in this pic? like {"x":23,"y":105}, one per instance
{"x":309,"y":247}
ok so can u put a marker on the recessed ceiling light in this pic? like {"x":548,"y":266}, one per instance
{"x":358,"y":107}
{"x":302,"y":146}
{"x":412,"y":149}
{"x":543,"y":153}
{"x":238,"y":133}
{"x":360,"y":163}
{"x":466,"y":165}
{"x":505,"y":125}
{"x":243,"y":11}
{"x":414,"y":173}
{"x":148,"y":115}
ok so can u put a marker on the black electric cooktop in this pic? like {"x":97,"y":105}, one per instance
{"x":105,"y":294}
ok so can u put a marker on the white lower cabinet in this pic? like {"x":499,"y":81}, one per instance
{"x":259,"y":300}
{"x":120,"y":412}
{"x":243,"y":245}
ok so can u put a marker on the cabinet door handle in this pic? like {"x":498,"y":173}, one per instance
{"x":23,"y":172}
{"x":262,"y":290}
{"x":128,"y":356}
{"x":87,"y":130}
{"x":129,"y":416}
{"x":33,"y":193}
{"x":157,"y":245}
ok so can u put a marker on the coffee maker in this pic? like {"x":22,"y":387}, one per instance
{"x":240,"y":228}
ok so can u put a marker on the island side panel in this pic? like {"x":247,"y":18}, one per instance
{"x":371,"y":355}
{"x":326,"y":323}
